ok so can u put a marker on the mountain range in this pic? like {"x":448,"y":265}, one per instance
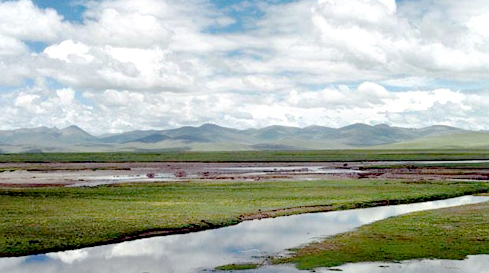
{"x":211,"y":137}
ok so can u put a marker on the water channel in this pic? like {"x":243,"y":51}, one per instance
{"x":202,"y":251}
{"x":296,"y":172}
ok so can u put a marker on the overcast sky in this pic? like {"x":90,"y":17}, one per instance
{"x":119,"y":65}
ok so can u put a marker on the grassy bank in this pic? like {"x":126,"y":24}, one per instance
{"x":252,"y":156}
{"x":451,"y":233}
{"x":36,"y":220}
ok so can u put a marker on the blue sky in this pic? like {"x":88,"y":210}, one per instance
{"x":119,"y":65}
{"x":71,"y":10}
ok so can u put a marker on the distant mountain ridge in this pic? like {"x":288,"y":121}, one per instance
{"x":211,"y":137}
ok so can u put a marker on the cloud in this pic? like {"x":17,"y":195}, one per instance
{"x":69,"y":52}
{"x":335,"y":106}
{"x":166,"y":63}
{"x":11,"y":47}
{"x":371,"y":40}
{"x":22,"y":20}
{"x":125,"y":23}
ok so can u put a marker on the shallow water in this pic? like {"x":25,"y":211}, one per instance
{"x":93,"y":181}
{"x":472,"y":264}
{"x":201,"y":251}
{"x":288,"y":170}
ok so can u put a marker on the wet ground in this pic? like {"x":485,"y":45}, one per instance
{"x":148,"y":255}
{"x":249,"y":241}
{"x":94,"y":174}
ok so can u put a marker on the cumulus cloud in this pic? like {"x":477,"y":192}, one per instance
{"x":165,"y":63}
{"x":334,"y":106}
{"x":24,"y":21}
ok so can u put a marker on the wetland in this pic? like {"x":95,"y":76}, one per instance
{"x":61,"y":208}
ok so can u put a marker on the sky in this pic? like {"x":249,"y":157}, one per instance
{"x":118,"y":65}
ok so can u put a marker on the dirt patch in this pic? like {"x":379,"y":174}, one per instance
{"x":66,"y":174}
{"x":94,"y":174}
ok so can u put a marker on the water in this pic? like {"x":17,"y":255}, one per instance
{"x":299,"y":172}
{"x":289,"y":170}
{"x":472,"y":264}
{"x":93,"y":181}
{"x":202,"y":251}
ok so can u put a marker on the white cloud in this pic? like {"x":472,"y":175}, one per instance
{"x":124,"y":23}
{"x":24,"y":21}
{"x":39,"y":105}
{"x":155,"y":64}
{"x":69,"y":257}
{"x":69,"y":51}
{"x":334,"y":106}
{"x":26,"y":101}
{"x":479,"y":24}
{"x":11,"y":47}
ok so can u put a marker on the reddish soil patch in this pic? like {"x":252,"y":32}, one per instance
{"x":88,"y":174}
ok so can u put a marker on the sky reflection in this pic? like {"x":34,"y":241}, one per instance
{"x":473,"y":264}
{"x":196,"y":252}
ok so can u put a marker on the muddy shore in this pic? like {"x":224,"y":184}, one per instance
{"x":94,"y":174}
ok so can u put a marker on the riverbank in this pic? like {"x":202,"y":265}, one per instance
{"x":38,"y":220}
{"x":450,"y":233}
{"x":252,"y":156}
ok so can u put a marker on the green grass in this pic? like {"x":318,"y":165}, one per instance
{"x":230,"y":267}
{"x":36,"y":220}
{"x":453,"y":141}
{"x":252,"y":156}
{"x":451,"y":233}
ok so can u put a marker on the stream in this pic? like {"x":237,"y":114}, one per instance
{"x":248,"y":241}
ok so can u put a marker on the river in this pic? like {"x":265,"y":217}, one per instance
{"x":202,"y":251}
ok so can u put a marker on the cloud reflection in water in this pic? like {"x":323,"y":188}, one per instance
{"x":195,"y":252}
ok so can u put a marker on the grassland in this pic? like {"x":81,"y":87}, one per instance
{"x":452,"y":141}
{"x":36,"y":220}
{"x":451,"y":233}
{"x":253,"y":156}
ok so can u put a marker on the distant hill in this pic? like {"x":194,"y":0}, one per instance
{"x":211,"y":137}
{"x":469,"y":140}
{"x":45,"y":139}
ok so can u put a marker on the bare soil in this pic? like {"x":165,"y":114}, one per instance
{"x":93,"y":174}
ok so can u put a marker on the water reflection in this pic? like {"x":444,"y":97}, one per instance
{"x":473,"y":264}
{"x":196,"y":252}
{"x":288,"y":170}
{"x":93,"y":181}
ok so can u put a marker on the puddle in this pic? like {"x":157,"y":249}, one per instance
{"x":287,"y":170}
{"x":297,"y":171}
{"x":93,"y":181}
{"x":202,"y":251}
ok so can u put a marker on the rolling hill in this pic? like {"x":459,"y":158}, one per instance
{"x":211,"y":137}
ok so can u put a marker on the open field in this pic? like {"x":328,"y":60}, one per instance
{"x":458,"y":140}
{"x":451,"y":233}
{"x":41,"y":212}
{"x":36,"y":220}
{"x":252,"y":156}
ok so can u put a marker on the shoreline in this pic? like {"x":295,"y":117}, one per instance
{"x":206,"y":225}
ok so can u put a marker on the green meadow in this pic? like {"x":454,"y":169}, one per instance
{"x":451,"y":233}
{"x":37,"y":220}
{"x":253,"y":156}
